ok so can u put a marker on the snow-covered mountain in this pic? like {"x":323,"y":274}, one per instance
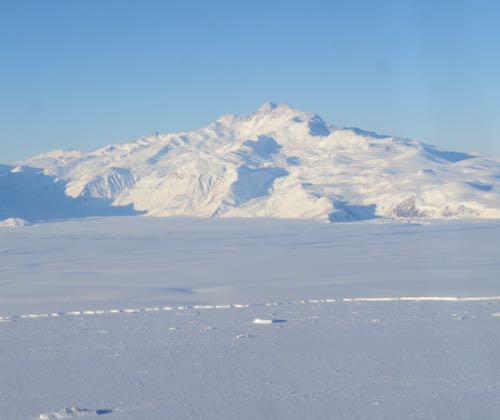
{"x":284,"y":163}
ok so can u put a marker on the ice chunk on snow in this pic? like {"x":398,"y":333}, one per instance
{"x":268,"y":321}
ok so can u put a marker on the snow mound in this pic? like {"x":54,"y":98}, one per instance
{"x":14,"y":222}
{"x":280,"y":162}
{"x":74,"y":412}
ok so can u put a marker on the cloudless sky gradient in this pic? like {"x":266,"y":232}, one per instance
{"x":86,"y":73}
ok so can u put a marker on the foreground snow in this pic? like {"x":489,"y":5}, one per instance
{"x":379,"y":360}
{"x":139,"y":318}
{"x":276,"y":162}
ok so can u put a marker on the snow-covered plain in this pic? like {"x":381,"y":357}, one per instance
{"x":145,"y":318}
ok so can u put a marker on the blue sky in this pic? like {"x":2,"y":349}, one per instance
{"x":82,"y":74}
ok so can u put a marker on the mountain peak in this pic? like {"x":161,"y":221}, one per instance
{"x":266,"y":107}
{"x":270,"y":108}
{"x":268,"y":114}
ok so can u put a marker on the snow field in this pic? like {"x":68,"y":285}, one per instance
{"x":143,"y":318}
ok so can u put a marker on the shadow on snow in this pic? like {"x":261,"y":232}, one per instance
{"x":31,"y":195}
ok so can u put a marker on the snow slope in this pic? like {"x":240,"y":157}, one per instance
{"x":283,"y":163}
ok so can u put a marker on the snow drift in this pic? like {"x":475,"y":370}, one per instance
{"x":280,"y":162}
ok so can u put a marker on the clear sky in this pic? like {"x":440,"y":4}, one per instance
{"x":86,"y":73}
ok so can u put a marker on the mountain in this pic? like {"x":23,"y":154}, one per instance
{"x":279,"y":162}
